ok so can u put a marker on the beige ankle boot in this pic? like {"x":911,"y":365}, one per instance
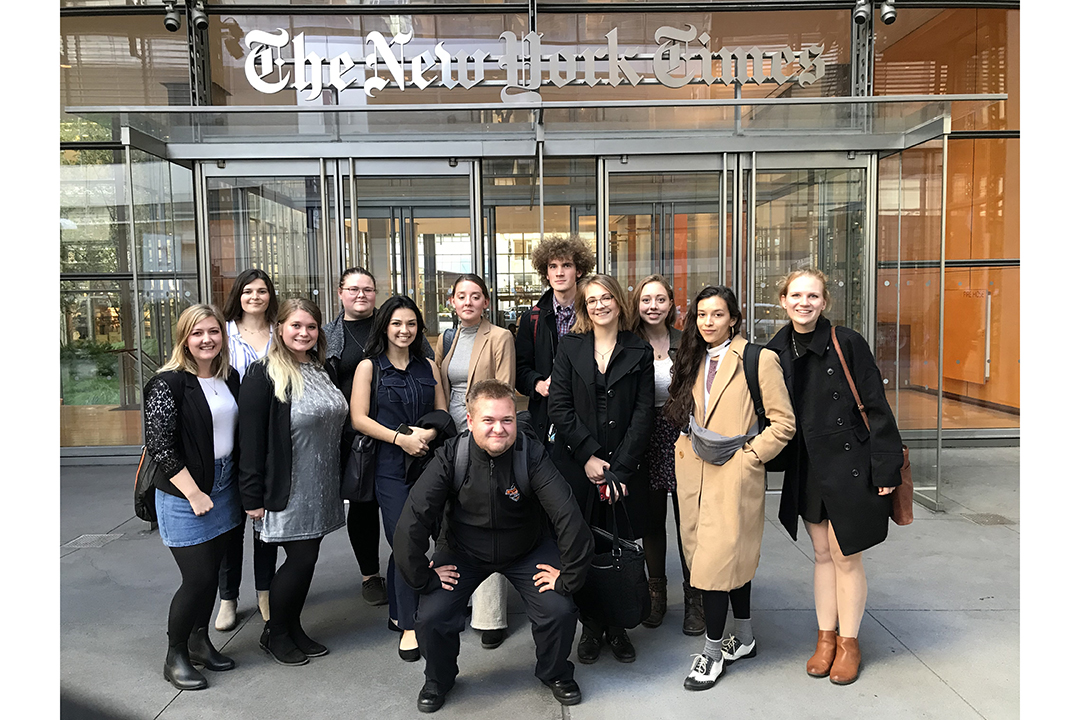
{"x":226,"y":616}
{"x":264,"y":604}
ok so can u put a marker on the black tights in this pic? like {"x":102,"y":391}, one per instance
{"x":715,"y":605}
{"x":193,"y":602}
{"x":291,"y":582}
{"x":655,"y":543}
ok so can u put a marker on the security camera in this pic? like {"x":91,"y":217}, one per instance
{"x":888,"y":13}
{"x":172,"y":17}
{"x":198,"y":16}
{"x":862,"y":11}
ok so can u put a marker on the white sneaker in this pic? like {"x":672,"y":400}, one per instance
{"x":703,"y":673}
{"x":733,"y":649}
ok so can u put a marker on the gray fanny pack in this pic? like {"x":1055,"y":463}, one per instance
{"x":714,"y":448}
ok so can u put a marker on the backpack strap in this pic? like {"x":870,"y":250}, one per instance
{"x":447,"y":341}
{"x":461,"y":461}
{"x":534,"y":317}
{"x":521,"y":463}
{"x":751,"y":357}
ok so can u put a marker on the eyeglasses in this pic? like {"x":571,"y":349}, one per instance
{"x":604,"y":299}
{"x":356,"y":291}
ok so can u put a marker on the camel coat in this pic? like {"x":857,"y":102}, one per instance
{"x":492,"y":356}
{"x":722,"y":507}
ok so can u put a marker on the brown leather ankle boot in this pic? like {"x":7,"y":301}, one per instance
{"x":845,"y":668}
{"x":820,"y":663}
{"x":657,"y":601}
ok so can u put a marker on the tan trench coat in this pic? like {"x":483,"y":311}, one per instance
{"x":722,"y":508}
{"x":492,"y":356}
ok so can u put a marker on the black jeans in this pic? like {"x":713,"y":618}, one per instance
{"x":441,"y":616}
{"x":264,"y":559}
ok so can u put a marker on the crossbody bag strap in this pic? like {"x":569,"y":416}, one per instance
{"x":850,"y":381}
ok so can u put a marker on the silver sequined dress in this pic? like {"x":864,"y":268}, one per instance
{"x":315,"y":507}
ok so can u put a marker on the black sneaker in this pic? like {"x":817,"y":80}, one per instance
{"x":733,"y":649}
{"x":621,"y":647}
{"x":704,"y":673}
{"x":373,"y":591}
{"x":566,"y":692}
{"x":492,"y":639}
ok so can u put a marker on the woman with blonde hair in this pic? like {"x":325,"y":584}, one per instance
{"x":291,"y":417}
{"x":838,"y":473}
{"x":653,"y":303}
{"x":476,"y":350}
{"x":601,"y":404}
{"x":197,"y":501}
{"x":720,"y":469}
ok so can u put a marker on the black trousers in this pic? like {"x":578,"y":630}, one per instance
{"x":264,"y":560}
{"x":363,"y":526}
{"x":441,"y":616}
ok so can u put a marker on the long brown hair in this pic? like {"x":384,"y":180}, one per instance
{"x":692,"y":349}
{"x":638,"y":325}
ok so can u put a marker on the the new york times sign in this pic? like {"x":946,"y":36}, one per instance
{"x":682,"y":56}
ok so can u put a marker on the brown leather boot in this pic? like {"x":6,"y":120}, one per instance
{"x":657,"y":602}
{"x":845,"y":668}
{"x":820,"y":663}
{"x":693,"y":611}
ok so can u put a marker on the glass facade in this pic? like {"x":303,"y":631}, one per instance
{"x":921,"y":244}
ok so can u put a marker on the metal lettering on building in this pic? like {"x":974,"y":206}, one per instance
{"x":682,"y":56}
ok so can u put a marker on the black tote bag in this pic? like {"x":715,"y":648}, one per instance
{"x":616,"y":591}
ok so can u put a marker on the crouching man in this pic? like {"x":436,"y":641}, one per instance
{"x":498,"y":489}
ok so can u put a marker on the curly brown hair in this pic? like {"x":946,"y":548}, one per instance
{"x":559,"y":247}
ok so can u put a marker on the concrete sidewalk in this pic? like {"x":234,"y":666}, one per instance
{"x":940,"y":638}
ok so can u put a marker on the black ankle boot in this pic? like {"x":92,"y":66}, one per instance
{"x":202,"y":652}
{"x":305,"y":644}
{"x":281,"y":648}
{"x":180,"y":672}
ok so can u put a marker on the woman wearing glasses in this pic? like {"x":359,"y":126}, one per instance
{"x":601,"y":404}
{"x":346,"y":338}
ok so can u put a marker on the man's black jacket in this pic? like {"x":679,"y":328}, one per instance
{"x":485,"y":523}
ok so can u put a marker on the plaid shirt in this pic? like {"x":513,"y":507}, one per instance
{"x":564,"y":318}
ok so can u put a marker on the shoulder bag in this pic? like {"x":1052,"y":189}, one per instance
{"x":903,"y":496}
{"x":149,"y":473}
{"x":358,"y":477}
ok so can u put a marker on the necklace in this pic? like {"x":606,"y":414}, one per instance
{"x":603,"y":354}
{"x":213,"y":385}
{"x":794,"y":347}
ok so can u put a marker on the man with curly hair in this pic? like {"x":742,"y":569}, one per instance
{"x":560,"y":260}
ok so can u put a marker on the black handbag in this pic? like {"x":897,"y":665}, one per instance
{"x":148,"y":471}
{"x":358,"y":476}
{"x":616,"y":591}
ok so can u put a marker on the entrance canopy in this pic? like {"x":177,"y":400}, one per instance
{"x":862,"y":124}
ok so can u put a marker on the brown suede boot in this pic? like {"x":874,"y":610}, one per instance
{"x":845,"y":668}
{"x":657,"y":602}
{"x":820,"y":663}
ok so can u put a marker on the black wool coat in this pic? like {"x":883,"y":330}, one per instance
{"x":573,"y":412}
{"x":850,"y":461}
{"x":534,"y":346}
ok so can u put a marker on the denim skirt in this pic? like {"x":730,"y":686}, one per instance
{"x":181,"y":527}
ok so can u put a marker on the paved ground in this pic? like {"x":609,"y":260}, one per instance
{"x":940,"y":639}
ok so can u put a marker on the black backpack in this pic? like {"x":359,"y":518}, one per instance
{"x":751,"y":356}
{"x":521,"y":456}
